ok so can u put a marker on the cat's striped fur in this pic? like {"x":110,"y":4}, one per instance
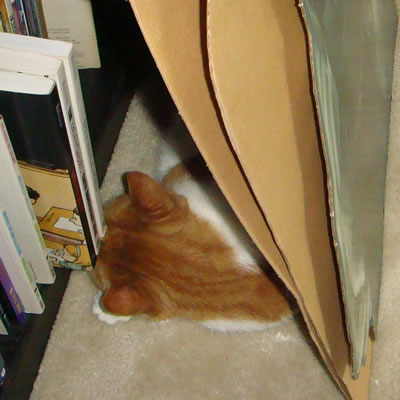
{"x":176,"y":249}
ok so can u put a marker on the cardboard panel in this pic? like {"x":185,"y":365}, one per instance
{"x":258,"y":61}
{"x":175,"y":33}
{"x":260,"y":76}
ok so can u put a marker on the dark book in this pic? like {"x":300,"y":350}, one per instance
{"x":5,"y":324}
{"x":33,"y":18}
{"x":9,"y":323}
{"x":29,"y":18}
{"x":11,"y":308}
{"x":9,"y":295}
{"x":38,"y":134}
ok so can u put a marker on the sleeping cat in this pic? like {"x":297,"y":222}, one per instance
{"x":176,"y":249}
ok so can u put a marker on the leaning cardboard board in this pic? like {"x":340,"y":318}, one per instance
{"x":352,"y":80}
{"x":185,"y":72}
{"x":253,"y":120}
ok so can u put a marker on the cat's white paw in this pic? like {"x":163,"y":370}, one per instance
{"x":103,"y":315}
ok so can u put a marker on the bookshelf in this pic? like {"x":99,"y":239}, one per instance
{"x":107,"y":94}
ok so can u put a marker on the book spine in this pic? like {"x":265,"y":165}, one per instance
{"x":5,"y":324}
{"x":18,"y":18}
{"x":30,"y":17}
{"x":11,"y":17}
{"x":18,"y":268}
{"x":5,"y":17}
{"x":2,"y":29}
{"x":82,"y":180}
{"x":85,"y":143}
{"x":34,"y":16}
{"x":24,"y":19}
{"x":38,"y":11}
{"x":28,"y":271}
{"x":11,"y":293}
{"x":11,"y":319}
{"x":44,"y":270}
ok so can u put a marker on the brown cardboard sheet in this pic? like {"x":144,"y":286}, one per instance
{"x":175,"y":32}
{"x":263,"y":148}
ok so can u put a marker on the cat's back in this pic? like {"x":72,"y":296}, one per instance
{"x":192,"y":179}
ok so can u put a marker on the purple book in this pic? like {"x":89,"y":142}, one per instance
{"x":19,"y":17}
{"x":11,"y":293}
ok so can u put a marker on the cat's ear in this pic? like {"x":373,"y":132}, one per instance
{"x":149,"y":196}
{"x":125,"y":300}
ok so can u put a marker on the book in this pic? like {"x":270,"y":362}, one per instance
{"x":33,"y":18}
{"x":24,"y":17}
{"x":54,"y":69}
{"x":72,"y":21}
{"x":39,"y":15}
{"x":29,"y":18}
{"x":17,"y":18}
{"x":14,"y":198}
{"x":10,"y":322}
{"x":11,"y":295}
{"x":5,"y":324}
{"x":5,"y":17}
{"x":18,"y":269}
{"x":19,"y":15}
{"x":11,"y":18}
{"x":46,"y":162}
{"x":64,"y":52}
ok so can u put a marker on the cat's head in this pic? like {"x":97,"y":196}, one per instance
{"x":143,"y":227}
{"x":161,"y":259}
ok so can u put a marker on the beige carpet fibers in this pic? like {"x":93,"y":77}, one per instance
{"x":178,"y":360}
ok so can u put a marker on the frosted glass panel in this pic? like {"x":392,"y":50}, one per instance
{"x":352,"y":47}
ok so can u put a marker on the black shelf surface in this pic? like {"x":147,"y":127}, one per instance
{"x":23,"y":352}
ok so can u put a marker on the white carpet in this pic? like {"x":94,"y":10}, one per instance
{"x":178,"y":360}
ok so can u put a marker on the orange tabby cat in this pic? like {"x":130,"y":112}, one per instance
{"x":176,"y":250}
